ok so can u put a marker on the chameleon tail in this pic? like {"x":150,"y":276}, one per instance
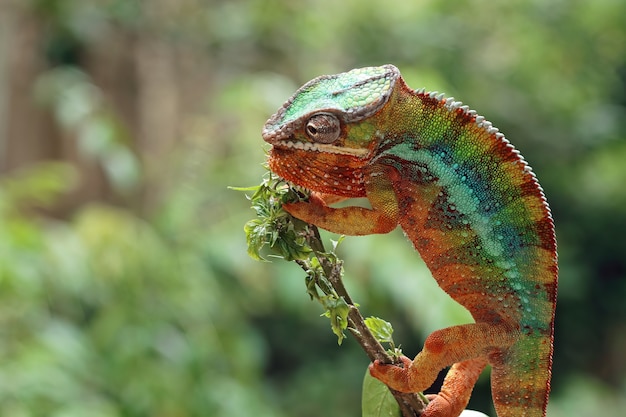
{"x":520,"y":379}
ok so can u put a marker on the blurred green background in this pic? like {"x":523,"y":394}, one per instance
{"x":125,"y":288}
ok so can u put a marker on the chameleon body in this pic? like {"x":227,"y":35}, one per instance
{"x":466,"y":199}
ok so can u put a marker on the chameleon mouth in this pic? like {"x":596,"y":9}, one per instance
{"x":324,"y":148}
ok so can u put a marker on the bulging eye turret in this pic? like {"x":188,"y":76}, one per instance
{"x":323,"y":128}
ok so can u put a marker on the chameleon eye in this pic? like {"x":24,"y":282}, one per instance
{"x":323,"y":128}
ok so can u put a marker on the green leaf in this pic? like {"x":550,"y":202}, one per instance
{"x":337,"y":311}
{"x":381,"y":329}
{"x":376,"y":400}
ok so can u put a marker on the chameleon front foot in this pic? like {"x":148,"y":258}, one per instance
{"x":395,"y":377}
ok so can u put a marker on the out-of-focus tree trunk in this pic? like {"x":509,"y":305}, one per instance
{"x":27,"y":133}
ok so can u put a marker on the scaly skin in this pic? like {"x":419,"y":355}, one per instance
{"x":465,"y":198}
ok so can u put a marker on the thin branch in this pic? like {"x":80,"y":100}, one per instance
{"x":410,"y":404}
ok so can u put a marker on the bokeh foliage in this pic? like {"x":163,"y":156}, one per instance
{"x":125,"y":288}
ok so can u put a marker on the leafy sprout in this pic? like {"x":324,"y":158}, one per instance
{"x":273,"y":228}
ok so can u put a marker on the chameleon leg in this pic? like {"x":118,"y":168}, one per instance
{"x":443,"y":348}
{"x":456,"y":390}
{"x":352,"y":220}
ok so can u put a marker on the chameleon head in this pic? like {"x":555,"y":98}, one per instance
{"x":325,"y":133}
